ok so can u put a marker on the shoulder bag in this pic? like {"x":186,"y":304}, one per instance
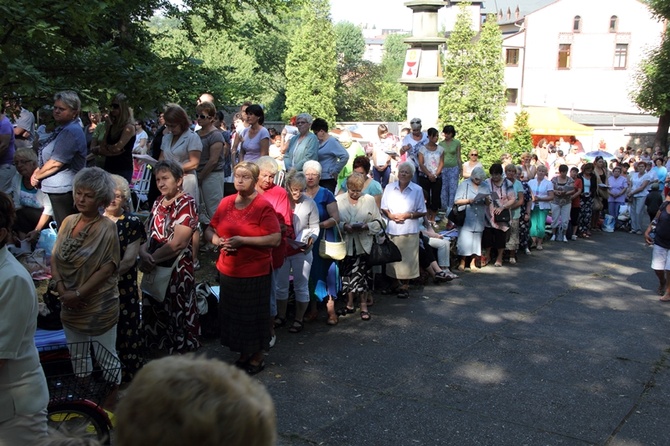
{"x":156,"y":282}
{"x":506,"y":215}
{"x":383,"y":249}
{"x":333,"y":250}
{"x":457,"y":216}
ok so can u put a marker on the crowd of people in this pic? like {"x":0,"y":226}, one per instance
{"x":274,"y":206}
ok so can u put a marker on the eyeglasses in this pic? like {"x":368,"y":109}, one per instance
{"x":203,"y":116}
{"x":474,"y":154}
{"x":301,"y":122}
{"x":116,"y":106}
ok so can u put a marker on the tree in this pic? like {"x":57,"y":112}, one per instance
{"x":393,"y":60}
{"x":472,"y":97}
{"x":349,"y":43}
{"x":311,"y":65}
{"x":522,"y":138}
{"x":652,"y":79}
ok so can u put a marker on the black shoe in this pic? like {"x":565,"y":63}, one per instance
{"x":254,"y":369}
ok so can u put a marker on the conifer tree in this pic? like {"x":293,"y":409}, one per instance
{"x":311,"y":65}
{"x":522,"y":139}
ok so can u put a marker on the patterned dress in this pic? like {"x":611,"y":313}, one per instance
{"x":524,"y":226}
{"x":129,"y":345}
{"x":172,"y":326}
{"x":324,"y":277}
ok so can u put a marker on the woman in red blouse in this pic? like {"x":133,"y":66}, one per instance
{"x":245,"y":228}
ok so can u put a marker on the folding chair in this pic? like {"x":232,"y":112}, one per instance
{"x":141,"y":188}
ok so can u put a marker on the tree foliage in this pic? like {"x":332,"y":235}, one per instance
{"x":652,"y":79}
{"x":349,"y":43}
{"x":472,"y":98}
{"x":311,"y":65}
{"x":108,"y":46}
{"x":522,"y":138}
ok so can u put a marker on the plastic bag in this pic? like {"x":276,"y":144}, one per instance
{"x":47,"y":240}
{"x":608,"y":224}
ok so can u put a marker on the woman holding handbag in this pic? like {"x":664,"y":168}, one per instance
{"x":498,"y":214}
{"x":171,"y":325}
{"x":359,"y":221}
{"x":472,"y":196}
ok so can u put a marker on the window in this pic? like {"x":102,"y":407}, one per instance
{"x":512,"y":95}
{"x":564,"y":56}
{"x":620,"y":56}
{"x":512,"y":57}
{"x":577,"y":24}
{"x":614,"y":24}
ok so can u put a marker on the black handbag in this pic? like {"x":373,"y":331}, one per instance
{"x":457,"y":216}
{"x":383,"y":249}
{"x":504,"y":217}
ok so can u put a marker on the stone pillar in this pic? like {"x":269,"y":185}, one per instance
{"x":422,"y":72}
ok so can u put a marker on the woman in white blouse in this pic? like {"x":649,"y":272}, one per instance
{"x":543,"y":193}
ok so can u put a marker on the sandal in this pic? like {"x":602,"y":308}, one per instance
{"x":442,"y":276}
{"x":365,"y":315}
{"x":332,"y":321}
{"x":345,"y":310}
{"x":296,"y":327}
{"x":279,"y":321}
{"x":402,"y":294}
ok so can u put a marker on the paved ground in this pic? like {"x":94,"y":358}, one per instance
{"x":569,"y":347}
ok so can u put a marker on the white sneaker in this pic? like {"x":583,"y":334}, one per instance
{"x":565,"y":239}
{"x":574,"y":237}
{"x":273,"y":340}
{"x":528,"y":251}
{"x":553,"y":238}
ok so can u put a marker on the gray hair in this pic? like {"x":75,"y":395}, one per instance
{"x":70,"y":98}
{"x":97,"y":180}
{"x":306,"y":116}
{"x":510,"y":167}
{"x":25,"y":154}
{"x":478,"y":173}
{"x":268,"y":164}
{"x":312,"y":165}
{"x":409,"y":164}
{"x":297,"y":179}
{"x":121,"y":184}
{"x":172,"y":166}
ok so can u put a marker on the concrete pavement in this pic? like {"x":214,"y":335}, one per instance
{"x":568,"y":347}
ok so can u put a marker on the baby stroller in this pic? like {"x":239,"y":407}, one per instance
{"x":623,"y":220}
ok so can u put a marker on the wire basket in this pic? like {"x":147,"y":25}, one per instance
{"x":96,"y":374}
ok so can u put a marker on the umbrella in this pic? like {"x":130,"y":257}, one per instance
{"x":354,"y":135}
{"x":596,"y":153}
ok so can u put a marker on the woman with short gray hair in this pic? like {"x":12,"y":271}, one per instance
{"x":469,"y":198}
{"x":302,"y":147}
{"x":62,"y":155}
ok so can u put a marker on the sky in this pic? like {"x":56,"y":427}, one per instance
{"x":384,"y":14}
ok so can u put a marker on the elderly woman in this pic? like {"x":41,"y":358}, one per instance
{"x":131,"y":236}
{"x":117,"y":146}
{"x":254,"y":141}
{"x":84,"y":269}
{"x":589,"y":188}
{"x":246,"y":228}
{"x":528,"y":170}
{"x":324,"y":276}
{"x":564,"y":187}
{"x":61,"y":155}
{"x":299,"y":252}
{"x":503,"y":199}
{"x":639,"y":180}
{"x":278,"y":199}
{"x":512,"y":243}
{"x":473,"y":196}
{"x":618,"y":185}
{"x":404,"y":206}
{"x":33,"y":208}
{"x":332,"y":156}
{"x":210,"y":168}
{"x":172,"y":325}
{"x":304,"y":146}
{"x":543,"y":194}
{"x":370,"y":187}
{"x":24,"y":389}
{"x":359,"y":221}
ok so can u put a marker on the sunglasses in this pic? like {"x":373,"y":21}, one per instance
{"x":115,"y":106}
{"x":474,"y":154}
{"x":203,"y":116}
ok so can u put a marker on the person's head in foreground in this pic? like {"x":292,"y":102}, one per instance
{"x":191,"y":400}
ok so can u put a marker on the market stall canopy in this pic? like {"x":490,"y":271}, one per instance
{"x":550,"y":121}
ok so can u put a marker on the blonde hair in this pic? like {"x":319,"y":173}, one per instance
{"x":182,"y":400}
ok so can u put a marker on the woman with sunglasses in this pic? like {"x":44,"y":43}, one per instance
{"x":210,"y":168}
{"x":471,"y":163}
{"x":117,"y":146}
